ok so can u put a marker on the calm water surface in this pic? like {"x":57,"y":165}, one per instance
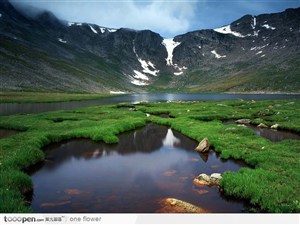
{"x":274,"y":135}
{"x":271,"y":134}
{"x":132,"y":176}
{"x":16,"y":108}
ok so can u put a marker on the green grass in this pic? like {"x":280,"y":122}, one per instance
{"x":26,"y":97}
{"x":271,"y":184}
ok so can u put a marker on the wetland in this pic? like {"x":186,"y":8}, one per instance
{"x":108,"y":157}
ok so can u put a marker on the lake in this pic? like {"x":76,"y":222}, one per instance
{"x":147,"y":165}
{"x":27,"y":108}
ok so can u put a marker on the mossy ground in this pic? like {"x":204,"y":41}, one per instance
{"x":271,"y":184}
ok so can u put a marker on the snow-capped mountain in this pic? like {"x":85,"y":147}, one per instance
{"x":254,"y":53}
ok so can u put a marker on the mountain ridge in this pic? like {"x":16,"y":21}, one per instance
{"x":253,"y":53}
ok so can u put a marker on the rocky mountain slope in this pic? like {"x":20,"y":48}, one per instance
{"x":254,"y":53}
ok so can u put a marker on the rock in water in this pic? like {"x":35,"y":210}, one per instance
{"x":261,"y":125}
{"x":202,"y":179}
{"x":243,"y":121}
{"x":275,"y":126}
{"x":205,"y":180}
{"x":173,"y":205}
{"x":215,"y":178}
{"x":203,"y":146}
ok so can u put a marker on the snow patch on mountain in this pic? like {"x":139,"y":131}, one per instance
{"x":117,"y":92}
{"x":139,"y":75}
{"x":102,"y":30}
{"x":258,"y":47}
{"x":72,"y":23}
{"x":227,"y":30}
{"x":255,"y":33}
{"x":111,"y":30}
{"x":62,"y":41}
{"x":178,"y":73}
{"x":148,"y":67}
{"x":93,"y":29}
{"x":253,"y":25}
{"x":180,"y":69}
{"x":138,"y":83}
{"x":138,"y":78}
{"x":217,"y":55}
{"x":267,"y":26}
{"x":170,"y":45}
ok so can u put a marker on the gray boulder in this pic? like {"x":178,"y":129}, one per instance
{"x":261,"y":125}
{"x":275,"y":126}
{"x":206,"y":180}
{"x":203,"y":146}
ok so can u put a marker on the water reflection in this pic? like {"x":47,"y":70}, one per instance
{"x":16,"y":108}
{"x":170,"y":140}
{"x":271,"y":134}
{"x":132,"y":176}
{"x":274,"y":135}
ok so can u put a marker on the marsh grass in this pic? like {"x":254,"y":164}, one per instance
{"x":271,"y":184}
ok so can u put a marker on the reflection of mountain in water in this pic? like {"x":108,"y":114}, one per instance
{"x":170,"y":139}
{"x":131,"y":176}
{"x":145,"y":140}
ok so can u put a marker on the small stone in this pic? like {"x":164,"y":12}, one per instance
{"x":172,"y":205}
{"x":203,"y":146}
{"x":205,"y":180}
{"x":290,"y":103}
{"x":275,"y":126}
{"x":261,"y":125}
{"x":215,"y":178}
{"x":243,"y":121}
{"x":202,"y":179}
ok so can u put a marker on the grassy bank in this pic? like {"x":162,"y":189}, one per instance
{"x":27,"y":97}
{"x":271,"y":185}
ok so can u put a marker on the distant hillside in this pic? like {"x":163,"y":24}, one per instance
{"x":254,"y":53}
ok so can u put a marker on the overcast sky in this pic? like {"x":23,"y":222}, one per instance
{"x":169,"y":18}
